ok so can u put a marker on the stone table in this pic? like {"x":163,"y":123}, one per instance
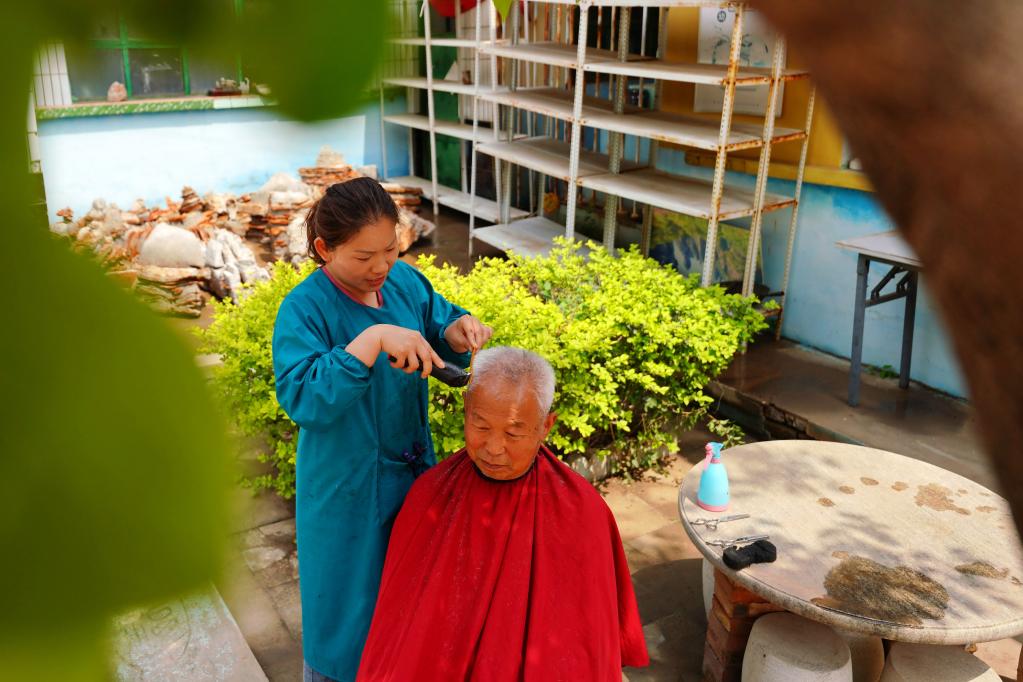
{"x":870,"y":541}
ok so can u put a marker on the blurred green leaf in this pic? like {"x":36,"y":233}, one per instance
{"x":115,"y":461}
{"x":317,"y":56}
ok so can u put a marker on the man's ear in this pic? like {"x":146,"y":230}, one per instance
{"x":548,"y":422}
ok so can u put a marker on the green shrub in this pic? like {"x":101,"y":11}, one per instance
{"x":242,"y":334}
{"x":633,"y":345}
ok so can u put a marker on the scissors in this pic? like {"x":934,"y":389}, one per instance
{"x":744,"y":540}
{"x":712,"y":524}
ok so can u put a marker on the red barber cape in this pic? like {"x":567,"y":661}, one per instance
{"x":504,"y":580}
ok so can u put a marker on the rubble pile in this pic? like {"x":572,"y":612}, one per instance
{"x":178,"y":253}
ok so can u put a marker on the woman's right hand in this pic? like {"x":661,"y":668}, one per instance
{"x":406,"y":348}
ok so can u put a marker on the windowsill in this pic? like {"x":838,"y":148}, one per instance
{"x":816,"y":175}
{"x":153,"y":106}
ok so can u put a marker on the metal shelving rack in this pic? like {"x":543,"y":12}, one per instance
{"x":552,"y":98}
{"x":405,"y":46}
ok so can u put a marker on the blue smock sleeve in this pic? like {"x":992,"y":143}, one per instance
{"x":315,"y":382}
{"x":439,"y":314}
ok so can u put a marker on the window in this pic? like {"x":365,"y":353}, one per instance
{"x":146,"y":67}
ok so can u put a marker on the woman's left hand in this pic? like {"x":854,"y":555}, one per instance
{"x":467,"y":334}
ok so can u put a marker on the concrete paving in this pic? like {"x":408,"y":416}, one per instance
{"x":778,"y":389}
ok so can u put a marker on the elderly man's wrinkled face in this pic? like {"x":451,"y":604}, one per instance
{"x":504,"y":427}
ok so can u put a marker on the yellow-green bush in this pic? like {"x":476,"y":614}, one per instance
{"x":633,"y":345}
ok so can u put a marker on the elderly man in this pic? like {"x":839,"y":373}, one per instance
{"x":504,"y":564}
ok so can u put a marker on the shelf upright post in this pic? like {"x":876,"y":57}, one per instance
{"x":511,"y":120}
{"x":795,"y":212}
{"x":718,"y":187}
{"x":410,"y":20}
{"x":662,"y":47}
{"x":429,"y":107}
{"x":383,"y":132}
{"x":495,"y":121}
{"x":639,"y":100}
{"x":475,"y":127}
{"x":763,"y":168}
{"x":458,"y":98}
{"x":577,"y":107}
{"x":615,"y":139}
{"x":530,"y":26}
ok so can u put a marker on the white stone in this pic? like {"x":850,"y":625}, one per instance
{"x":282,"y":182}
{"x":287,"y":198}
{"x":784,"y":647}
{"x":328,"y":158}
{"x":215,"y":254}
{"x":298,"y":240}
{"x":172,"y":247}
{"x":929,"y":663}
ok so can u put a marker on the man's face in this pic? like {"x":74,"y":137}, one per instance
{"x":504,"y":427}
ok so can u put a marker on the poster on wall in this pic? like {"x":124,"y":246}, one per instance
{"x":757,"y":50}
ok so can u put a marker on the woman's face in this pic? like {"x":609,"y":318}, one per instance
{"x":362,"y":263}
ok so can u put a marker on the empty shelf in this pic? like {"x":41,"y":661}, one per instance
{"x":453,"y":198}
{"x":705,"y":74}
{"x":681,"y":194}
{"x":690,"y":131}
{"x":549,"y":156}
{"x":545,"y":101}
{"x":454,"y":87}
{"x":527,"y":237}
{"x":436,"y":42}
{"x":462,"y":131}
{"x":552,"y":54}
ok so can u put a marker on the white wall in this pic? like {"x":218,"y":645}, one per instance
{"x":150,"y":156}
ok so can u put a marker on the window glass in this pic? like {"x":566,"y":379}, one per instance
{"x":156,"y":72}
{"x":91,"y":71}
{"x":206,"y":67}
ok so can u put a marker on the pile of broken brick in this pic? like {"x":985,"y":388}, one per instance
{"x":178,"y":254}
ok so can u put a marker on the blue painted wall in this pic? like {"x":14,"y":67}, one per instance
{"x":819,"y":306}
{"x":150,"y":156}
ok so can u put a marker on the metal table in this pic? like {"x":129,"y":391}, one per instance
{"x":890,"y":249}
{"x":870,"y":541}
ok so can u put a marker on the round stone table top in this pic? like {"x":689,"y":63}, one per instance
{"x":870,"y":541}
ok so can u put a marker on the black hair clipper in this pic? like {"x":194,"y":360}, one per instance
{"x":449,"y":374}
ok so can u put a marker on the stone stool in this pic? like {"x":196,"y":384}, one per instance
{"x":867,"y":655}
{"x":928,"y":663}
{"x":784,"y":647}
{"x":708,"y":586}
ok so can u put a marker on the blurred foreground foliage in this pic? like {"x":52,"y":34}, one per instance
{"x":115,"y":458}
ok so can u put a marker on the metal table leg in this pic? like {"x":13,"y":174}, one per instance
{"x":856,"y":357}
{"x":907,"y":331}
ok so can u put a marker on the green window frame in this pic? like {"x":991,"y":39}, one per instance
{"x":124,"y":44}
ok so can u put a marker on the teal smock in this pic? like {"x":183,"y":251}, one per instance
{"x":355,"y":423}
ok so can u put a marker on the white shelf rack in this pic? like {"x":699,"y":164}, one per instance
{"x":408,"y":41}
{"x":554,"y":66}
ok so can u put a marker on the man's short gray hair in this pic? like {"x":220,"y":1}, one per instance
{"x":517,"y":366}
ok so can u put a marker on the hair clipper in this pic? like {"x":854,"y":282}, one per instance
{"x":449,"y":374}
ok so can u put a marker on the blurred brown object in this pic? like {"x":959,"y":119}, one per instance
{"x":926,"y":93}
